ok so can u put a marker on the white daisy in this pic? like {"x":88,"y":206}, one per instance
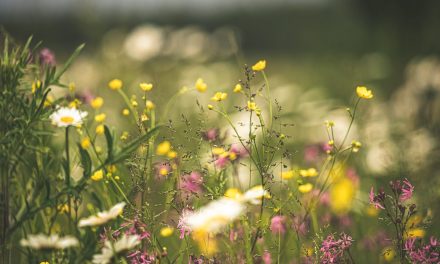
{"x":42,"y":241}
{"x":102,"y":217}
{"x":215,"y":215}
{"x":65,"y":116}
{"x":255,"y":194}
{"x":125,"y":243}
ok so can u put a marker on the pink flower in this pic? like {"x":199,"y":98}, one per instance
{"x":374,"y":200}
{"x":267,"y":258}
{"x":311,"y":153}
{"x":211,"y":134}
{"x":182,"y":226}
{"x":239,"y":150}
{"x":277,"y":224}
{"x":407,"y":190}
{"x":191,"y":183}
{"x":221,"y":162}
{"x":47,"y":57}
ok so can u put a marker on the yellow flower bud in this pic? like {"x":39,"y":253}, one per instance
{"x":252,"y":106}
{"x":72,"y":87}
{"x":210,"y":107}
{"x":149,"y":105}
{"x":305,"y":188}
{"x":166,"y":231}
{"x":125,"y":112}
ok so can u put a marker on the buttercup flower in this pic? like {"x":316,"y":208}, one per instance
{"x":286,"y":175}
{"x":238,"y":88}
{"x":42,"y":241}
{"x":305,"y":188}
{"x":85,"y":143}
{"x":97,"y":102}
{"x":163,"y":148}
{"x":98,"y":175}
{"x":252,"y":106}
{"x":259,"y":66}
{"x":103,"y":217}
{"x":219,"y":96}
{"x":64,"y":117}
{"x":201,"y":86}
{"x":146,"y":86}
{"x":100,"y":118}
{"x":166,"y":231}
{"x":363,"y":92}
{"x":311,"y":172}
{"x":115,"y":84}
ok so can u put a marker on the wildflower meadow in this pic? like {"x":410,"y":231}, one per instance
{"x":103,"y":160}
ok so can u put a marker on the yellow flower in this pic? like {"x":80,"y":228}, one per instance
{"x":72,"y":87}
{"x":149,"y":105}
{"x":219,"y":96}
{"x":115,"y":84}
{"x":238,"y":88}
{"x":125,"y":112}
{"x":259,"y":66}
{"x":252,"y":106}
{"x":63,"y":208}
{"x":97,"y":102}
{"x":210,"y":107}
{"x":311,"y":172}
{"x":36,"y":85}
{"x":415,"y":232}
{"x":218,"y":151}
{"x":172,"y":154}
{"x":356,"y":145}
{"x":117,"y":178}
{"x":163,"y":148}
{"x":286,"y":175}
{"x":163,"y":171}
{"x":329,"y":123}
{"x":232,"y":156}
{"x":111,"y":168}
{"x":233,"y":193}
{"x":363,"y":92}
{"x":144,"y":118}
{"x":388,"y":254}
{"x":372,"y":211}
{"x":99,"y":130}
{"x":85,"y":143}
{"x":98,"y":175}
{"x":100,"y":118}
{"x":44,"y":262}
{"x":75,"y":103}
{"x":201,"y":86}
{"x":146,"y":86}
{"x":166,"y":231}
{"x":49,"y":100}
{"x":305,"y":188}
{"x":342,"y":194}
{"x":124,"y":135}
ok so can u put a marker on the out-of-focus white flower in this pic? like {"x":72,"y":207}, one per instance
{"x":102,"y":217}
{"x":65,"y":116}
{"x":41,"y":241}
{"x":125,"y":243}
{"x":215,"y":216}
{"x":255,"y":195}
{"x":144,"y":42}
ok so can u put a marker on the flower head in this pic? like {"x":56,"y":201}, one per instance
{"x":277,"y":224}
{"x":42,"y":241}
{"x":146,"y":86}
{"x":64,"y":117}
{"x":115,"y":84}
{"x":123,"y":244}
{"x":201,"y":86}
{"x":407,"y":190}
{"x":259,"y":66}
{"x":102,"y":217}
{"x":238,"y":88}
{"x":363,"y":92}
{"x":47,"y":57}
{"x":219,"y":96}
{"x":97,"y":102}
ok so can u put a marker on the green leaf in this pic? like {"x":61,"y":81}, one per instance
{"x":133,"y":145}
{"x":69,"y":61}
{"x":109,"y":139}
{"x":86,"y":161}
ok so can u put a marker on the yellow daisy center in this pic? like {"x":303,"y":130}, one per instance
{"x":67,"y":119}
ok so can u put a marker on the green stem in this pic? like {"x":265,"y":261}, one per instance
{"x":269,"y":99}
